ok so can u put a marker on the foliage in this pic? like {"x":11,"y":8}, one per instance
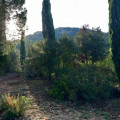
{"x":33,"y":65}
{"x":114,"y":32}
{"x":40,"y":60}
{"x":108,"y":62}
{"x":49,"y":38}
{"x":96,"y":82}
{"x":2,"y":65}
{"x":2,"y":58}
{"x":22,"y":50}
{"x":65,"y":86}
{"x":92,"y":44}
{"x":11,"y":61}
{"x":72,"y":79}
{"x":67,"y":50}
{"x":8,"y":9}
{"x":47,"y":21}
{"x":87,"y":81}
{"x":71,"y":32}
{"x":22,"y":18}
{"x":14,"y":106}
{"x":44,"y":59}
{"x":2,"y":31}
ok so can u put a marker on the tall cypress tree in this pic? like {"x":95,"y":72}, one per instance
{"x":22,"y":18}
{"x":47,"y":21}
{"x":22,"y":50}
{"x":49,"y":37}
{"x":114,"y":32}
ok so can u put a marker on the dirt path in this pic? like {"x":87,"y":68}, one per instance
{"x":44,"y":107}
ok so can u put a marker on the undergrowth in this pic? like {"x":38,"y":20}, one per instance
{"x":13,"y":106}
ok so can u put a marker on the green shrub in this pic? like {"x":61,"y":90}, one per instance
{"x":96,"y":82}
{"x":9,"y":62}
{"x":92,"y":44}
{"x":34,"y":60}
{"x":32,"y":68}
{"x":2,"y":65}
{"x":88,"y":82}
{"x":65,"y":86}
{"x":84,"y":81}
{"x":90,"y":91}
{"x":12,"y":61}
{"x":13,"y":106}
{"x":43,"y":59}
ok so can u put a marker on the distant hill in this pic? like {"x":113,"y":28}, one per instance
{"x":37,"y":36}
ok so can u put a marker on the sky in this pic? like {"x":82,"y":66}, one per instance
{"x":69,"y":13}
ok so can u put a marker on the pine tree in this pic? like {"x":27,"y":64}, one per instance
{"x":7,"y":7}
{"x":47,"y":21}
{"x":114,"y":32}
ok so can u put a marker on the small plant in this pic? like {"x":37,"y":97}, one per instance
{"x":13,"y":106}
{"x":106,"y":115}
{"x":85,"y":115}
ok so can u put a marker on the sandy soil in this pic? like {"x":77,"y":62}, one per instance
{"x":45,"y":108}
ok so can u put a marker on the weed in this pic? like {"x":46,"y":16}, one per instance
{"x":13,"y":106}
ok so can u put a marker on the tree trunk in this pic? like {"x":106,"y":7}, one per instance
{"x":2,"y":35}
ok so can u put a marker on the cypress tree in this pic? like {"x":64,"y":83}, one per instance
{"x":22,"y":50}
{"x":49,"y":37}
{"x":47,"y":21}
{"x":22,"y":18}
{"x":114,"y":32}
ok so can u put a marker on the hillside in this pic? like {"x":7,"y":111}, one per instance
{"x":37,"y":36}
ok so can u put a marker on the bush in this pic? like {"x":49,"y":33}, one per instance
{"x":87,"y":81}
{"x":96,"y":82}
{"x":65,"y":81}
{"x":44,"y":59}
{"x":2,"y":64}
{"x":33,"y":67}
{"x":65,"y":86}
{"x":91,"y":91}
{"x":13,"y":107}
{"x":12,"y":62}
{"x":67,"y":50}
{"x":76,"y":80}
{"x":92,"y":44}
{"x":40,"y":60}
{"x":73,"y":78}
{"x":34,"y":60}
{"x":9,"y":62}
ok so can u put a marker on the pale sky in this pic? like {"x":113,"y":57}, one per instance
{"x":69,"y":13}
